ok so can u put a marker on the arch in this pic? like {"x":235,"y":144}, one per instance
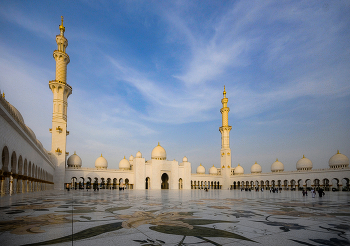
{"x":181,"y":184}
{"x":95,"y":185}
{"x":308,"y":184}
{"x":88,"y":183}
{"x":81,"y":183}
{"x":292,"y":184}
{"x":325,"y":184}
{"x":121,"y":182}
{"x":13,"y":162}
{"x":165,"y":181}
{"x":20,"y":165}
{"x":115,"y":183}
{"x":25,"y":168}
{"x":109,"y":183}
{"x":5,"y":159}
{"x":30,"y":169}
{"x":191,"y":184}
{"x":127,"y":185}
{"x":316,"y":183}
{"x":345,"y":184}
{"x":103,"y":183}
{"x":300,"y":184}
{"x":148,"y":183}
{"x":335,"y":184}
{"x":285,"y":184}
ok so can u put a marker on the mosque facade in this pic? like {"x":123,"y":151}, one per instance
{"x":26,"y":166}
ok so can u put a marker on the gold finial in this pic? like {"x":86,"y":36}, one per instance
{"x":276,"y":159}
{"x":75,"y":152}
{"x":124,"y":156}
{"x":158,"y":144}
{"x":303,"y":156}
{"x":338,"y":151}
{"x":200,"y":164}
{"x":101,"y":154}
{"x":224,"y":92}
{"x":238,"y":164}
{"x":256,"y":162}
{"x":62,"y":28}
{"x":3,"y":95}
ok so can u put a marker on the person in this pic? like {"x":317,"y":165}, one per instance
{"x":320,"y":192}
{"x":313,"y":193}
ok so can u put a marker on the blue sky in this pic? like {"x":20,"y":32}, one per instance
{"x":145,"y":72}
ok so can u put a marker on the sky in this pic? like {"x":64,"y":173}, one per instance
{"x":144,"y":72}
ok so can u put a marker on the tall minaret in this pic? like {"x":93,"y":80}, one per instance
{"x":225,"y":142}
{"x":61,"y":91}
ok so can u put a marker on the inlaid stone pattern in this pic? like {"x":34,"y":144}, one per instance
{"x":169,"y":217}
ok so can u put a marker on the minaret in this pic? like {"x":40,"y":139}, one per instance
{"x":225,"y":143}
{"x":61,"y":91}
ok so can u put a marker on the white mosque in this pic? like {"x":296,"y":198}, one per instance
{"x":26,"y":166}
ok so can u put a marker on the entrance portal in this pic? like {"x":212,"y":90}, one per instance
{"x":165,"y":179}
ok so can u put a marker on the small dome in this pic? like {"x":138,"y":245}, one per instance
{"x":74,"y":161}
{"x":158,"y":153}
{"x":32,"y":134}
{"x":131,"y":158}
{"x":101,"y":163}
{"x":138,"y":155}
{"x":256,"y":168}
{"x":16,"y":113}
{"x":304,"y":164}
{"x":200,"y":169}
{"x":184,"y":159}
{"x":338,"y":161}
{"x":124,"y":164}
{"x":239,"y":169}
{"x":277,"y":166}
{"x":213,"y":170}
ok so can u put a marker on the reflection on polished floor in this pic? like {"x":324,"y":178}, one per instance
{"x":166,"y":217}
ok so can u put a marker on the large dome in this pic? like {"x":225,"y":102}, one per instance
{"x":277,"y":166}
{"x":256,"y":168}
{"x":200,"y":169}
{"x":304,"y":164}
{"x":101,"y":163}
{"x":338,"y":161}
{"x":124,"y":164}
{"x":138,"y":155}
{"x":213,"y":170}
{"x":239,"y":170}
{"x":158,"y":153}
{"x":74,"y":161}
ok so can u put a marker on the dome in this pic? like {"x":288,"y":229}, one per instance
{"x":277,"y":166}
{"x":101,"y":163}
{"x":239,"y":169}
{"x":184,"y":159}
{"x":304,"y":164}
{"x":338,"y":161}
{"x":213,"y":170}
{"x":256,"y":168}
{"x":74,"y":161}
{"x":124,"y":164}
{"x":200,"y":169}
{"x":138,"y":155}
{"x":131,"y":158}
{"x":158,"y":153}
{"x":16,"y":113}
{"x":32,"y":134}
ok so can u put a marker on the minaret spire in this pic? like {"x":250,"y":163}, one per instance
{"x":225,"y":141}
{"x":61,"y":91}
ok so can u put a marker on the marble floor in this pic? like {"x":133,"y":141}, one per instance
{"x":166,"y":217}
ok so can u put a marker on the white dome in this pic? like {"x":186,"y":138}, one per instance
{"x":131,"y":158}
{"x":239,"y":170}
{"x":16,"y":112}
{"x":277,"y":166}
{"x":101,"y":163}
{"x":184,"y":159}
{"x":32,"y":134}
{"x":338,"y":161}
{"x":124,"y":164}
{"x":200,"y":169}
{"x":74,"y":161}
{"x":138,"y":155}
{"x":213,"y":170}
{"x":158,"y":153}
{"x":304,"y":164}
{"x":256,"y":168}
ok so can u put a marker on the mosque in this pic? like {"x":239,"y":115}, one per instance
{"x":26,"y":166}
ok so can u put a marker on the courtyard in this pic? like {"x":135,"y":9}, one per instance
{"x":174,"y":217}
